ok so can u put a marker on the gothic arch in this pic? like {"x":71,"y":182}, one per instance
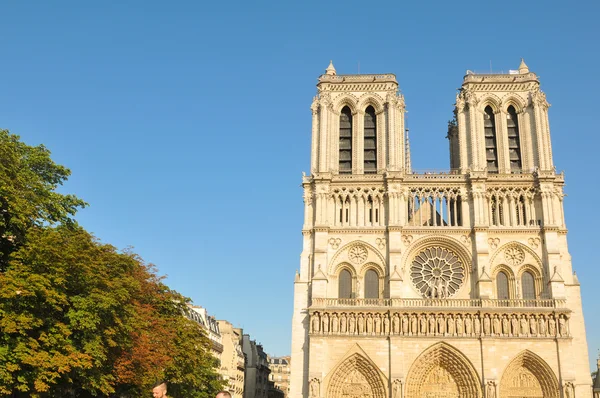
{"x":370,"y":99}
{"x":529,"y":376}
{"x":492,"y":100}
{"x":511,"y":279}
{"x":523,"y":247}
{"x":356,"y":375}
{"x":514,"y":100}
{"x":442,"y":366}
{"x":348,"y":100}
{"x":347,"y":266}
{"x":373,"y":254}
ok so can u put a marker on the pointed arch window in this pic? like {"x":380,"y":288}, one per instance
{"x":528,"y":286}
{"x":514,"y":144}
{"x":345,"y":284}
{"x":370,"y":143}
{"x":345,"y":161}
{"x":491,"y":148}
{"x":371,"y":284}
{"x":502,"y":291}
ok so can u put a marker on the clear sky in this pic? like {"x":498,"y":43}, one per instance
{"x":187,"y":124}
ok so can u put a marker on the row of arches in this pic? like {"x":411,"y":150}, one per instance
{"x":440,"y":371}
{"x":347,"y":285}
{"x":369,"y":136}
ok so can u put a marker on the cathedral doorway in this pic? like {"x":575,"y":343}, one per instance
{"x":528,"y":376}
{"x":442,"y":372}
{"x":356,"y":377}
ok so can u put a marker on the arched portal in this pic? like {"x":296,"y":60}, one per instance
{"x":356,"y":377}
{"x":442,"y":372}
{"x":528,"y":376}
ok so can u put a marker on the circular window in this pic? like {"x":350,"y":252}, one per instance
{"x":437,"y":272}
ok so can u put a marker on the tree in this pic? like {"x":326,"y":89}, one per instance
{"x":80,"y":319}
{"x":28,"y":197}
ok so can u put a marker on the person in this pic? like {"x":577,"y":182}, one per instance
{"x":159,"y":390}
{"x":223,"y":394}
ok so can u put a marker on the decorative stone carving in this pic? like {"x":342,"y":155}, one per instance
{"x":358,"y":254}
{"x":325,"y":323}
{"x":380,"y":243}
{"x":494,"y":242}
{"x":335,"y":242}
{"x":514,"y":255}
{"x":386,"y":325}
{"x":486,"y":325}
{"x":316,"y":323}
{"x":397,"y":388}
{"x":490,"y":389}
{"x":569,"y":390}
{"x":468,"y":325}
{"x":334,"y":323}
{"x":315,"y":388}
{"x":534,"y":242}
{"x":562,"y":326}
{"x":407,"y":239}
{"x":436,"y":272}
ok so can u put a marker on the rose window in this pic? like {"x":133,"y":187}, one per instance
{"x":358,"y":254}
{"x":514,"y":255}
{"x":437,"y":272}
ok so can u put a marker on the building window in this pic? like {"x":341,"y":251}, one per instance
{"x":371,"y":284}
{"x":528,"y":285}
{"x":502,"y":286}
{"x":491,"y":150}
{"x":514,"y":146}
{"x":370,"y":137}
{"x":345,"y":284}
{"x":346,"y":141}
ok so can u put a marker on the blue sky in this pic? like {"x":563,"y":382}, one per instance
{"x":187,"y":124}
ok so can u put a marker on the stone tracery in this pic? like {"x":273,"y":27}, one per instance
{"x":356,"y":377}
{"x":437,"y":272}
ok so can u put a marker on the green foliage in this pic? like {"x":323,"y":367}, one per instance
{"x":28,"y":197}
{"x":79,"y":318}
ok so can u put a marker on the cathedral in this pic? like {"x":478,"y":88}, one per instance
{"x":435,"y":285}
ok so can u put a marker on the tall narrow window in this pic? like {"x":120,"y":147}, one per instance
{"x":491,"y":150}
{"x":514,"y":145}
{"x":502,"y":286}
{"x":346,"y":141}
{"x":370,"y":141}
{"x":528,"y":285}
{"x":345,"y":284}
{"x":371,"y":284}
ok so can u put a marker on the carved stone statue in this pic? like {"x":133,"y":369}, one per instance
{"x":386,"y":325}
{"x":343,"y":325}
{"x":397,"y":389}
{"x":476,"y":325}
{"x":431,"y":324}
{"x":396,"y":324}
{"x":515,"y":325}
{"x":542,"y":325}
{"x":486,"y":324}
{"x":533,"y":325}
{"x":352,"y":324}
{"x":496,"y":326}
{"x":316,"y":323}
{"x":562,"y":326}
{"x":361,"y":324}
{"x":524,"y":325}
{"x":315,"y":386}
{"x":551,"y":326}
{"x":491,"y":390}
{"x":569,"y":390}
{"x":468,"y":325}
{"x":377,"y":324}
{"x":413,"y":324}
{"x":325,"y":323}
{"x":441,"y":325}
{"x":369,"y":324}
{"x":423,"y":324}
{"x":505,"y":325}
{"x":334,"y":323}
{"x":459,"y":325}
{"x":450,"y":325}
{"x":405,"y":324}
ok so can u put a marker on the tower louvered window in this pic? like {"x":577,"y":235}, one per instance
{"x":345,"y":284}
{"x":502,"y":286}
{"x":370,"y":143}
{"x":528,"y":285}
{"x":371,"y":284}
{"x":514,"y":146}
{"x":345,"y":141}
{"x":491,"y":149}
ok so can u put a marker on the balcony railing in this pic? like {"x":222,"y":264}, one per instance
{"x":435,"y":303}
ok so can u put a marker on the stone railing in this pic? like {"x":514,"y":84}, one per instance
{"x":435,"y":303}
{"x":532,"y":323}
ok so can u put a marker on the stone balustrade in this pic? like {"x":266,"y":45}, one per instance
{"x":436,"y":303}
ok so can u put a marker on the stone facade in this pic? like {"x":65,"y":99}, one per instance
{"x":453,"y":284}
{"x":256,"y":379}
{"x":232,"y":360}
{"x":280,"y":373}
{"x":210,"y":326}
